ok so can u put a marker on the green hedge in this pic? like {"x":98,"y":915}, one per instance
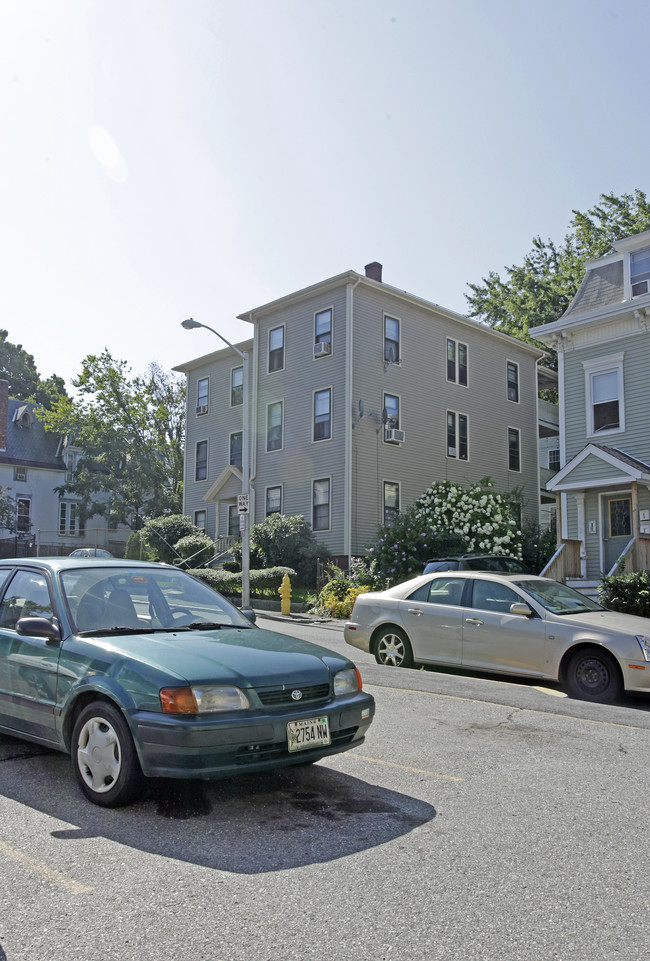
{"x":229,"y":582}
{"x":627,"y":593}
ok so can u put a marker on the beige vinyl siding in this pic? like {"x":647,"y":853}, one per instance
{"x":425,"y":396}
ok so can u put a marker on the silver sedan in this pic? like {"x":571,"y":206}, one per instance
{"x":507,"y":624}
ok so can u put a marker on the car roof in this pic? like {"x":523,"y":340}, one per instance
{"x":63,"y":563}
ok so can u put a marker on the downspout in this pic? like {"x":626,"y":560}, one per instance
{"x":253,"y":421}
{"x":347,"y":493}
{"x":563,"y":532}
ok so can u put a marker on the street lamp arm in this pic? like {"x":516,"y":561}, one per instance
{"x":190,"y":324}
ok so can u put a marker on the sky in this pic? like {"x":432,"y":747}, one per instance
{"x":162,"y":159}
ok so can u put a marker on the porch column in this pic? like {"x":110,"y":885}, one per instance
{"x":636,"y":527}
{"x":580,"y":501}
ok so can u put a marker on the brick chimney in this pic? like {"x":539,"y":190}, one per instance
{"x":373,"y":271}
{"x":4,"y":412}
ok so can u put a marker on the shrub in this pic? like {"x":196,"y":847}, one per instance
{"x":538,"y":544}
{"x":198,"y":547}
{"x":162,"y":533}
{"x":136,"y":549}
{"x":337,"y":596}
{"x":229,"y":582}
{"x":281,"y":541}
{"x":626,"y":593}
{"x":339,"y":606}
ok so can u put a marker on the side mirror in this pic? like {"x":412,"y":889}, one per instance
{"x":521,"y":609}
{"x":249,"y":614}
{"x":38,"y":627}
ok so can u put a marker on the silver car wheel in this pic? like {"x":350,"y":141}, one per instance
{"x":99,"y":755}
{"x":393,"y":649}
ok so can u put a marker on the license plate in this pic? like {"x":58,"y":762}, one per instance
{"x":311,"y":732}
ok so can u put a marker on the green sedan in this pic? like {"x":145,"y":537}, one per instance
{"x":140,"y":670}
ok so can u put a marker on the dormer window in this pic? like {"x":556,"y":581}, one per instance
{"x":640,"y":272}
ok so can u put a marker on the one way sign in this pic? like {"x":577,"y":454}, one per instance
{"x":242,"y":503}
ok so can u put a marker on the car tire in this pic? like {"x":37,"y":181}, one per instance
{"x":393,"y":648}
{"x":104,"y":758}
{"x":593,"y":675}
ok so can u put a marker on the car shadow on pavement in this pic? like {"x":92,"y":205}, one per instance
{"x":251,"y":824}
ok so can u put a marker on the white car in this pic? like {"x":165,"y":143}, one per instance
{"x":507,"y":624}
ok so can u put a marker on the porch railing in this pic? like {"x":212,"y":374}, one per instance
{"x":565,"y":562}
{"x":635,"y":557}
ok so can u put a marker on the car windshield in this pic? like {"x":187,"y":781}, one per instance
{"x":104,"y":600}
{"x":557,"y":598}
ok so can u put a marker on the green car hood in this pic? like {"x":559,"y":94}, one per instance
{"x":229,"y":655}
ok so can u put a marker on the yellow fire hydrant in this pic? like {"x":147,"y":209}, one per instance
{"x":285,"y":594}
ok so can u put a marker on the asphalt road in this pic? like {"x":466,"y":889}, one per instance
{"x":482,"y":819}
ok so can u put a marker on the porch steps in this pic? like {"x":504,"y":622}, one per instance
{"x":589,"y":588}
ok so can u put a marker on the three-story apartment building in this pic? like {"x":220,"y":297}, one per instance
{"x":603,"y":346}
{"x":361,"y":396}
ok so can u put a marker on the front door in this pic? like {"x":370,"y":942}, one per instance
{"x":617,"y":527}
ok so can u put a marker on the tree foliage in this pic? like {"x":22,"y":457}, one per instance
{"x":18,"y":367}
{"x":281,"y":541}
{"x":540,"y":289}
{"x":130,"y":434}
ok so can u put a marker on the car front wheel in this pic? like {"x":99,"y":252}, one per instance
{"x":392,"y":647}
{"x":104,"y":758}
{"x":594,"y":675}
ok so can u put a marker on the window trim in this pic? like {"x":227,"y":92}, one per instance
{"x":398,"y":425}
{"x":68,"y":513}
{"x":273,"y":403}
{"x":325,"y":339}
{"x":318,"y":480}
{"x":457,"y":415}
{"x":275,"y":370}
{"x":390,"y":340}
{"x":271,"y":487}
{"x":517,"y":431}
{"x":320,"y":440}
{"x":234,"y":433}
{"x":397,"y":511}
{"x":197,"y":479}
{"x":25,"y":499}
{"x":604,"y":365}
{"x":456,"y":378}
{"x":238,"y":387}
{"x":632,"y":281}
{"x":514,"y":364}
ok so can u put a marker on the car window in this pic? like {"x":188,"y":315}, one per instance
{"x":441,"y":590}
{"x":434,"y":566}
{"x":493,"y":596}
{"x":558,"y":598}
{"x":26,"y":596}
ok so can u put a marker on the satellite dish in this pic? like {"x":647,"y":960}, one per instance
{"x":384,"y":416}
{"x":360,"y":409}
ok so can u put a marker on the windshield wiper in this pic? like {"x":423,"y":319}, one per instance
{"x":101,"y":631}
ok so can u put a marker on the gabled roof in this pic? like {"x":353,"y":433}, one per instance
{"x":229,"y":473}
{"x":28,"y":444}
{"x":599,"y":466}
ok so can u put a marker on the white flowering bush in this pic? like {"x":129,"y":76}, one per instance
{"x":447,"y":518}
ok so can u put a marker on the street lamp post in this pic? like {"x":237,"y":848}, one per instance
{"x":245,"y":465}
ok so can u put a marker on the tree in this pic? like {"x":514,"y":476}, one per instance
{"x":540,"y":289}
{"x":130,"y":434}
{"x":18,"y":367}
{"x":7,"y":510}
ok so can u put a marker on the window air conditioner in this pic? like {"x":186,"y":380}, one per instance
{"x":203,"y":409}
{"x":395,"y":436}
{"x":322,"y":349}
{"x":642,"y":287}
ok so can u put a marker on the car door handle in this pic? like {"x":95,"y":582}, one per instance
{"x":474,"y":620}
{"x":413,"y":610}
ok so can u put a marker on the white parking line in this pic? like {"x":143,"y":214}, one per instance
{"x":55,"y":877}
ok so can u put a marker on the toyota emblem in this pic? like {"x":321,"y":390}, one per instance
{"x":296,"y":695}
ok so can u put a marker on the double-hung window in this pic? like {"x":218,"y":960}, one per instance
{"x":512,"y":376}
{"x":200,"y":520}
{"x":391,"y":501}
{"x":276,"y":349}
{"x":456,"y":362}
{"x":233,"y":520}
{"x":236,"y":449}
{"x":640,"y":272}
{"x":457,"y":435}
{"x":514,"y":449}
{"x":604,"y":392}
{"x":236,"y":386}
{"x":201,"y":461}
{"x":274,"y":426}
{"x":321,"y":504}
{"x":391,"y":340}
{"x":323,"y":414}
{"x":23,"y":515}
{"x":273,"y":500}
{"x":323,"y":332}
{"x":67,"y":518}
{"x":203,"y":395}
{"x":391,"y":417}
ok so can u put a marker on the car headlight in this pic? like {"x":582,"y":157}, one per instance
{"x":202,"y":700}
{"x":644,"y":644}
{"x":347,"y":682}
